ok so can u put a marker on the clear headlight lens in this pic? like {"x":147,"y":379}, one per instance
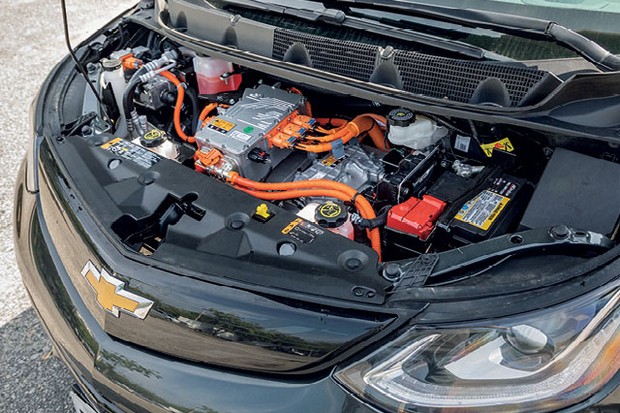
{"x":542,"y":362}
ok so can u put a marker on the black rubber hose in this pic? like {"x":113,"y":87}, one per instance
{"x":377,"y":222}
{"x":193,"y":100}
{"x":590,"y":50}
{"x":129,"y":93}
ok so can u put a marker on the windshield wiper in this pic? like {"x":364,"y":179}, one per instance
{"x":528,"y":27}
{"x":315,"y":12}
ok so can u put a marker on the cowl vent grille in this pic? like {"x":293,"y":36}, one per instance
{"x":427,"y":75}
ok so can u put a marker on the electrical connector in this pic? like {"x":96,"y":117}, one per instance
{"x":294,"y":130}
{"x":210,"y":158}
{"x":259,"y":156}
{"x":304,"y":121}
{"x":282,"y":140}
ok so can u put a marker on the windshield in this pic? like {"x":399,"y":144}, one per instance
{"x":595,"y":19}
{"x":580,"y":15}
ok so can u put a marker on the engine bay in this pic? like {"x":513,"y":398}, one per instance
{"x":403,"y":182}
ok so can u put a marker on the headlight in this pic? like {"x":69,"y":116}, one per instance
{"x":545,"y":361}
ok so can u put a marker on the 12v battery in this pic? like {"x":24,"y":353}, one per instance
{"x":493,"y":211}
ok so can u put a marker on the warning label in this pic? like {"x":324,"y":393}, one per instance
{"x":332,"y":161}
{"x":302,"y":231}
{"x":502,"y":145}
{"x":135,"y":153}
{"x":220,"y":125}
{"x":482,"y":211}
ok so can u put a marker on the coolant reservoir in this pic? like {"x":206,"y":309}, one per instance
{"x":213,"y":76}
{"x":112,"y":76}
{"x":159,"y":142}
{"x":330,"y":215}
{"x":406,"y":128}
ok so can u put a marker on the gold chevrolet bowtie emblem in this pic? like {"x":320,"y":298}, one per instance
{"x":110,"y":293}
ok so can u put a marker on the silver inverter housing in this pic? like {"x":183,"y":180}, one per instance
{"x":243,"y":127}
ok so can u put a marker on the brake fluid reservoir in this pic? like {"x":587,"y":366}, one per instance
{"x":213,"y":76}
{"x":406,"y":128}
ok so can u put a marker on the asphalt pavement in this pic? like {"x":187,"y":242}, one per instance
{"x":31,"y":42}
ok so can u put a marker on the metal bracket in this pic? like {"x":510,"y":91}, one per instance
{"x":414,"y":273}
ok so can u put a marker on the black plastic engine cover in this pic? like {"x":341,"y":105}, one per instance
{"x":213,"y":230}
{"x":578,"y":191}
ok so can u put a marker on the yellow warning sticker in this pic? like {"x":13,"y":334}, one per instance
{"x":329,"y":161}
{"x":502,"y":145}
{"x":124,"y":149}
{"x":302,"y":231}
{"x":292,"y":225}
{"x":482,"y":210}
{"x":221,"y":125}
{"x":113,"y":142}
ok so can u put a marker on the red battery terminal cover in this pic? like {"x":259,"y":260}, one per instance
{"x":416,"y":216}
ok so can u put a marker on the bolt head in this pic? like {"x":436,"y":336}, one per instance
{"x":560,"y":232}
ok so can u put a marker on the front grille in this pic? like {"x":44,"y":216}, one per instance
{"x":427,"y":75}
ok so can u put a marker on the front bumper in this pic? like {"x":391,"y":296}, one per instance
{"x":121,"y":377}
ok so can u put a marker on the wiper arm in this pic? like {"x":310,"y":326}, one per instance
{"x":528,"y":27}
{"x":315,"y":12}
{"x":429,"y":40}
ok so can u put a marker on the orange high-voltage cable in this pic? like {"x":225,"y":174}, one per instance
{"x":307,"y":188}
